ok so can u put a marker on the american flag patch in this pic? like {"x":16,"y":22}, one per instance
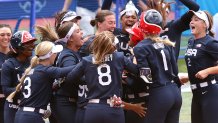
{"x":198,"y":45}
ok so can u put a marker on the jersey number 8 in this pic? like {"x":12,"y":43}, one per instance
{"x":105,"y":74}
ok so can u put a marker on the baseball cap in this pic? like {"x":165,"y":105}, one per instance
{"x":57,"y":48}
{"x":202,"y":15}
{"x":70,"y":15}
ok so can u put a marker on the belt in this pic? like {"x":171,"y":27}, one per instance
{"x":203,"y":84}
{"x":143,"y":94}
{"x":32,"y":109}
{"x":107,"y":101}
{"x":71,"y":99}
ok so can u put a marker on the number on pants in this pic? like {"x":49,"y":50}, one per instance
{"x":27,"y":86}
{"x":103,"y":75}
{"x":164,"y":60}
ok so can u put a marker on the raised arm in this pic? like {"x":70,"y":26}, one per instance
{"x":106,"y":5}
{"x":191,"y":4}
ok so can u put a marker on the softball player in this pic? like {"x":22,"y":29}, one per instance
{"x":172,"y":28}
{"x":5,"y":36}
{"x":201,"y":54}
{"x":104,"y":21}
{"x":22,"y":44}
{"x":37,"y":83}
{"x":65,"y":94}
{"x":156,"y":60}
{"x":136,"y":91}
{"x":65,"y":97}
{"x":128,"y":18}
{"x":103,"y":71}
{"x":175,"y":28}
{"x":65,"y":17}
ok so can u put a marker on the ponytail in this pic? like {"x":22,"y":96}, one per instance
{"x":165,"y":41}
{"x":33,"y":63}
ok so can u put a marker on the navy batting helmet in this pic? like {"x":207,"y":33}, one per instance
{"x":151,"y":21}
{"x":21,"y":37}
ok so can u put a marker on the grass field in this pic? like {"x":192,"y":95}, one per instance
{"x":185,"y":114}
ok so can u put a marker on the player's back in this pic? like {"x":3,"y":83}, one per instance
{"x":104,"y":80}
{"x":159,"y":58}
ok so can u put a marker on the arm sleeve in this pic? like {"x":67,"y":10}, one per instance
{"x":141,"y":55}
{"x":212,"y":49}
{"x":130,"y":66}
{"x":106,"y":5}
{"x":56,"y":72}
{"x":182,"y":24}
{"x":6,"y":80}
{"x":191,"y":4}
{"x":76,"y":73}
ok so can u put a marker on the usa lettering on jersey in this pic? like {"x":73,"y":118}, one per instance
{"x":191,"y":52}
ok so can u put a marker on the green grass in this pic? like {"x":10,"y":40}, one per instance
{"x":185,"y":113}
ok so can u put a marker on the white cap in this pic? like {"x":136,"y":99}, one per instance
{"x":130,"y":9}
{"x":55,"y":49}
{"x":69,"y":16}
{"x":202,"y":15}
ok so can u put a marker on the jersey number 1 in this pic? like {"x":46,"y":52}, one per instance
{"x":164,"y":60}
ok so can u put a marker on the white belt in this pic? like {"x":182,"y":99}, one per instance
{"x":31,"y":109}
{"x":98,"y":101}
{"x":203,"y":84}
{"x":143,"y":94}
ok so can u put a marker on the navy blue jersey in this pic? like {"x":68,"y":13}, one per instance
{"x":176,"y":27}
{"x":103,"y":81}
{"x":124,"y":39}
{"x":3,"y":57}
{"x":84,"y":50}
{"x":201,"y":54}
{"x":12,"y":71}
{"x":159,"y":58}
{"x":67,"y":58}
{"x":37,"y":87}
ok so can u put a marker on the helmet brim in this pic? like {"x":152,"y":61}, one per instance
{"x":30,"y":40}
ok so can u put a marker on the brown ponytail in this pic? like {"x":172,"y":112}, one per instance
{"x":210,"y":19}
